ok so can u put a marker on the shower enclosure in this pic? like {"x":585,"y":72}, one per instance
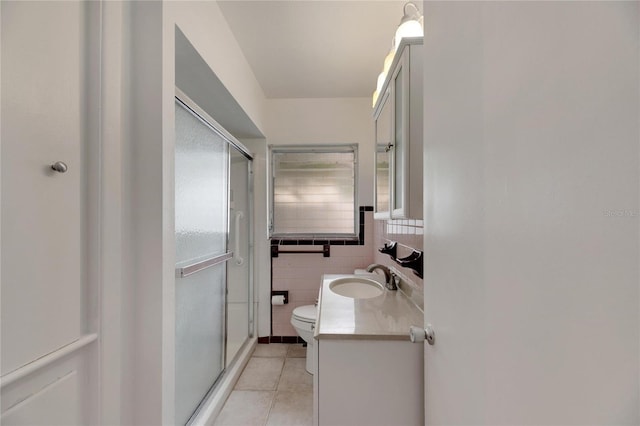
{"x":213,"y":290}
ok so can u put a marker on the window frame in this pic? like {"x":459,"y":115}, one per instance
{"x":312,"y":148}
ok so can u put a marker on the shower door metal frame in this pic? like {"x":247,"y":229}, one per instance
{"x":183,"y":270}
{"x":245,"y":152}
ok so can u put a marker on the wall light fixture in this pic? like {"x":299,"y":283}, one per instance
{"x":411,"y":25}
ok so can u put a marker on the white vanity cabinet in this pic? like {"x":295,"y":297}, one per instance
{"x":399,"y":136}
{"x":369,"y":382}
{"x":368,"y":371}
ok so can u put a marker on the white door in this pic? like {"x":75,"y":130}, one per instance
{"x":531,"y":214}
{"x":48,"y":311}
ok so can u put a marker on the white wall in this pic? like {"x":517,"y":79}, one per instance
{"x":300,"y":122}
{"x":204,"y":25}
{"x":136,"y":197}
{"x":315,"y":122}
{"x":326,"y":121}
{"x":149,"y":310}
{"x":144,"y":274}
{"x":532,"y":208}
{"x":143,"y":171}
{"x":114,"y":127}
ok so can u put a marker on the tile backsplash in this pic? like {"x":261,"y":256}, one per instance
{"x":409,"y":234}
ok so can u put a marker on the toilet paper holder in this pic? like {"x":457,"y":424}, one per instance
{"x":284,"y":293}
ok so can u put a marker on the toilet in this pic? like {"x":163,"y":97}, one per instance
{"x":303,"y":320}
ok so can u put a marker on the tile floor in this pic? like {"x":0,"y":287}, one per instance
{"x":273,"y":389}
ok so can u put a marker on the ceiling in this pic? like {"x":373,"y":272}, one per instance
{"x":314,"y":48}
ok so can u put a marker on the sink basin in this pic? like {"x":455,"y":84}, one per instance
{"x":356,"y":287}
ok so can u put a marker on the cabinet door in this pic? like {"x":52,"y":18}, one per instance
{"x":400,"y":122}
{"x":382,"y":182}
{"x":399,"y":140}
{"x":382,"y":158}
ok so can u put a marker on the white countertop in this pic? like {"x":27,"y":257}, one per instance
{"x":384,"y":317}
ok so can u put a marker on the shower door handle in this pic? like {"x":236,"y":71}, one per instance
{"x":185,"y":271}
{"x":236,"y":252}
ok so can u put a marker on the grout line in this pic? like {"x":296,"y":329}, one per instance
{"x":275,"y":393}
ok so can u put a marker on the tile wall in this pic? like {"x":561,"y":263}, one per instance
{"x":301,"y":274}
{"x":409,"y":236}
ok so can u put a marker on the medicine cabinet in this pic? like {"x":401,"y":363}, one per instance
{"x":398,"y":132}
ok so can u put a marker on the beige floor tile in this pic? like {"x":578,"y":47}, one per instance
{"x":295,"y":377}
{"x":297,"y":351}
{"x":260,"y":374}
{"x":271,"y":350}
{"x":246,"y":408}
{"x":292,"y":408}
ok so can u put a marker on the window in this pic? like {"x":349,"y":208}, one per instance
{"x":313,"y":190}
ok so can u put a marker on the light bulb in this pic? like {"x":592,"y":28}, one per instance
{"x":388,"y":60}
{"x":408,"y":29}
{"x":381,"y":78}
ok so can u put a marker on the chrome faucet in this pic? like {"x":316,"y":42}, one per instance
{"x":388,"y":276}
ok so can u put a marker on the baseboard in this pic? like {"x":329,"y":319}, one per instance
{"x":280,"y":339}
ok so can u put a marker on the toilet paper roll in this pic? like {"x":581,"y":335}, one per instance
{"x":277,"y":300}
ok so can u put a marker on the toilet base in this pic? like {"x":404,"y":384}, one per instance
{"x":311,"y":362}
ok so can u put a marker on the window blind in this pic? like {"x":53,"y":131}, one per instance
{"x":313,"y":191}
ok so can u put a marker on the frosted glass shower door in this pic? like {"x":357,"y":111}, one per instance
{"x":201,"y":223}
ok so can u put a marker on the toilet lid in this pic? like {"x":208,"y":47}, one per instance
{"x":305,"y":313}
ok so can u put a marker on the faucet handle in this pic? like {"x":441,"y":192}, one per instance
{"x":389,"y":249}
{"x":393,"y":282}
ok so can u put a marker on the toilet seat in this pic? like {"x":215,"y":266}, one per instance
{"x":306,"y":313}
